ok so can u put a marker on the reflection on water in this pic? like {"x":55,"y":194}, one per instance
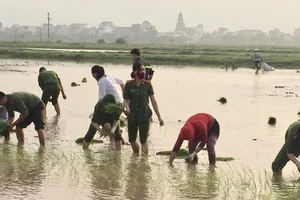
{"x":64,"y":171}
{"x":21,"y":171}
{"x":138,"y":178}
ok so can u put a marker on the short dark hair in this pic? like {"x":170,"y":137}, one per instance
{"x":137,"y":66}
{"x":136,"y":52}
{"x":98,"y":70}
{"x":42,"y":68}
{"x":2,"y":94}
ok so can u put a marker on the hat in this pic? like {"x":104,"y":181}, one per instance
{"x":187,"y":132}
{"x":255,"y":50}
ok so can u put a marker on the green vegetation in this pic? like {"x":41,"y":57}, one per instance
{"x":94,"y":141}
{"x":223,"y":100}
{"x":191,"y":55}
{"x":272,"y":121}
{"x":3,"y":128}
{"x":84,"y":80}
{"x":224,"y":159}
{"x":73,"y":84}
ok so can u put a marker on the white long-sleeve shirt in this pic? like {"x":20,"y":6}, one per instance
{"x":110,"y":85}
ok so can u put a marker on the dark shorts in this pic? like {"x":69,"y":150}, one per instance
{"x":36,"y":116}
{"x":215,"y":128}
{"x":92,"y":131}
{"x":257,"y":64}
{"x":51,"y":91}
{"x":134,"y":126}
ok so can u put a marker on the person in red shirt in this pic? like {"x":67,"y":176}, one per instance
{"x":200,"y":130}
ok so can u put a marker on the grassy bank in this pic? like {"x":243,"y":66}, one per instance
{"x":193,"y":55}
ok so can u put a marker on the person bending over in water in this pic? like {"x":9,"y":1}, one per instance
{"x":136,"y":102}
{"x":289,"y":151}
{"x":109,"y":122}
{"x":200,"y":130}
{"x":51,"y":85}
{"x":32,"y":109}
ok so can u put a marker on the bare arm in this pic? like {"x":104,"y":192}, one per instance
{"x":122,"y":87}
{"x":96,"y":126}
{"x":293,"y":158}
{"x":62,"y":89}
{"x":114,"y":127}
{"x":155,"y":107}
{"x":172,"y":157}
{"x":150,"y":77}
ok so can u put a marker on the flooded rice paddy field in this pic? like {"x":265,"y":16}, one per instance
{"x":64,"y":171}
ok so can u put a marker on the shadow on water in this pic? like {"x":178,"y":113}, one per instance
{"x":20,"y":170}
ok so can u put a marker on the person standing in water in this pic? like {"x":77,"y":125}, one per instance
{"x":200,"y":130}
{"x":257,"y":60}
{"x":31,"y":109}
{"x":51,"y":85}
{"x":109,"y":122}
{"x":289,"y":151}
{"x":136,"y":102}
{"x":136,"y":57}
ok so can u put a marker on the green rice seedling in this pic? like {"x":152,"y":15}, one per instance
{"x":223,"y":100}
{"x":73,"y":84}
{"x":123,"y":122}
{"x":81,"y":139}
{"x":3,"y":128}
{"x":224,"y":159}
{"x":84,"y":80}
{"x":180,"y":153}
{"x":115,"y":109}
{"x":272,"y":121}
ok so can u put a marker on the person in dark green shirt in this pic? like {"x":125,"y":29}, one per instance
{"x":109,"y":122}
{"x":31,"y":109}
{"x":136,"y":101}
{"x":289,"y":151}
{"x":51,"y":85}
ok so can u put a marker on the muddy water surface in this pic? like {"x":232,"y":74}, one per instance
{"x":64,"y":171}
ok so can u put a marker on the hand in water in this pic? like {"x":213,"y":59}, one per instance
{"x":64,"y":96}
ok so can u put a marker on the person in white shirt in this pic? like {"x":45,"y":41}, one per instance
{"x":107,"y":84}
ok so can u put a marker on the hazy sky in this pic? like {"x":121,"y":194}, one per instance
{"x":233,"y":14}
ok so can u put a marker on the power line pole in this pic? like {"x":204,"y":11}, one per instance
{"x":48,"y":27}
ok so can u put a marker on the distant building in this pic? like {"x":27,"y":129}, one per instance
{"x":63,"y":30}
{"x":106,"y":27}
{"x":180,"y":26}
{"x":193,"y":34}
{"x":78,"y":28}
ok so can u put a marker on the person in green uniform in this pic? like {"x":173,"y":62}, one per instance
{"x":289,"y":151}
{"x":109,"y":122}
{"x":31,"y":109}
{"x":136,"y":102}
{"x":51,"y":85}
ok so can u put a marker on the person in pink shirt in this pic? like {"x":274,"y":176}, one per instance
{"x":200,"y":130}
